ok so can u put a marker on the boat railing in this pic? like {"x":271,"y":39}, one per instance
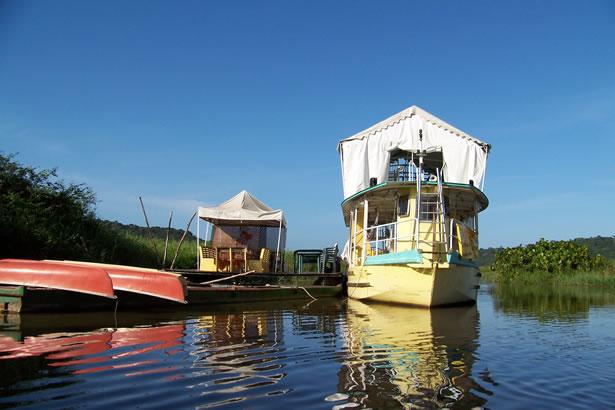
{"x":385,"y":238}
{"x":381,"y":239}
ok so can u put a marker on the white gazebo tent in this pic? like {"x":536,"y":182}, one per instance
{"x":244,"y":209}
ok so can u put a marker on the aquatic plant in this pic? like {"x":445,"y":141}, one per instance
{"x":546,"y":258}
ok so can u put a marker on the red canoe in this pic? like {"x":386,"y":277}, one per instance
{"x":144,"y":281}
{"x":91,"y":280}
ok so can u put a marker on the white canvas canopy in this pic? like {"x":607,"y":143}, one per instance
{"x":243,"y":209}
{"x":367,"y":154}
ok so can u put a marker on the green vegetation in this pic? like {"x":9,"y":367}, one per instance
{"x":41,"y":217}
{"x":553,"y":262}
{"x":597,"y":245}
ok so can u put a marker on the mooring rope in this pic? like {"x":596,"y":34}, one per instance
{"x":308,"y":293}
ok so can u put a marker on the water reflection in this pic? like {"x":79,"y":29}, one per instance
{"x":547,"y":303}
{"x":32,"y":345}
{"x":247,"y":355}
{"x":228,"y":356}
{"x":323,"y":354}
{"x":400,"y":356}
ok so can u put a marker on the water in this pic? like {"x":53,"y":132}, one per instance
{"x":517,"y":348}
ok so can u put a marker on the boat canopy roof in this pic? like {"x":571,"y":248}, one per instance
{"x":243,"y":209}
{"x":367,"y":154}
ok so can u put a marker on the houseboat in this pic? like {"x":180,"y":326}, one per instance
{"x":413,"y":191}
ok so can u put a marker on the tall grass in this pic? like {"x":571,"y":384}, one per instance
{"x":186,"y":258}
{"x":604,"y":277}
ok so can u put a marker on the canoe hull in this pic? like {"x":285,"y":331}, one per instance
{"x":149,"y":282}
{"x":92,"y":281}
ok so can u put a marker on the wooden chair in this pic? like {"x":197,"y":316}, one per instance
{"x":209,"y":259}
{"x":262,"y":264}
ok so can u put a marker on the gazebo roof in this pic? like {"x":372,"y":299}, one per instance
{"x":243,"y":209}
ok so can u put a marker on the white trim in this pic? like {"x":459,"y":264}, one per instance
{"x":207,"y":232}
{"x":198,"y":249}
{"x":365,"y":222}
{"x":277,"y":253}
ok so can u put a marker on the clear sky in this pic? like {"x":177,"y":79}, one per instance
{"x":189,"y":102}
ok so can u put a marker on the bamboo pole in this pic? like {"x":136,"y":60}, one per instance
{"x":166,"y":241}
{"x":182,"y":240}
{"x":150,"y":232}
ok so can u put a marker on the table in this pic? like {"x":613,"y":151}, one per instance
{"x":232,"y":253}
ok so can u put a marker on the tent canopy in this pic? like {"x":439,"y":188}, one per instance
{"x":367,"y":154}
{"x":243,"y":209}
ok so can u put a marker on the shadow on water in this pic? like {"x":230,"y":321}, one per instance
{"x":548,"y":303}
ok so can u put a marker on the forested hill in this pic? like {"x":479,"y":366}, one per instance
{"x":597,"y":245}
{"x":157,"y":232}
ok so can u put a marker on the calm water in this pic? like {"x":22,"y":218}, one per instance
{"x":517,"y":348}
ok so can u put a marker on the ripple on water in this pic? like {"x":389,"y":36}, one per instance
{"x":328,"y":355}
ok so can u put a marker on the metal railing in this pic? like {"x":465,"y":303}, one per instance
{"x":385,"y":238}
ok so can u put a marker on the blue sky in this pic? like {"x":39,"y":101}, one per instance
{"x":187,"y":103}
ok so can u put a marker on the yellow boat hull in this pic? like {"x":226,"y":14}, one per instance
{"x":427,"y":286}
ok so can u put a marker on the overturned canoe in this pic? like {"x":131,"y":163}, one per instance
{"x":90,"y":280}
{"x":144,"y":281}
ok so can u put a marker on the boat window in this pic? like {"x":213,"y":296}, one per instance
{"x":429,"y":207}
{"x":402,"y":205}
{"x":403,"y":165}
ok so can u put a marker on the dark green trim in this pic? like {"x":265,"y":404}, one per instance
{"x":11,"y":290}
{"x":444,"y":184}
{"x":371,"y":188}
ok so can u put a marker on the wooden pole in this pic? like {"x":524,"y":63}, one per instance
{"x":182,"y":240}
{"x":149,"y":230}
{"x":166,"y":241}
